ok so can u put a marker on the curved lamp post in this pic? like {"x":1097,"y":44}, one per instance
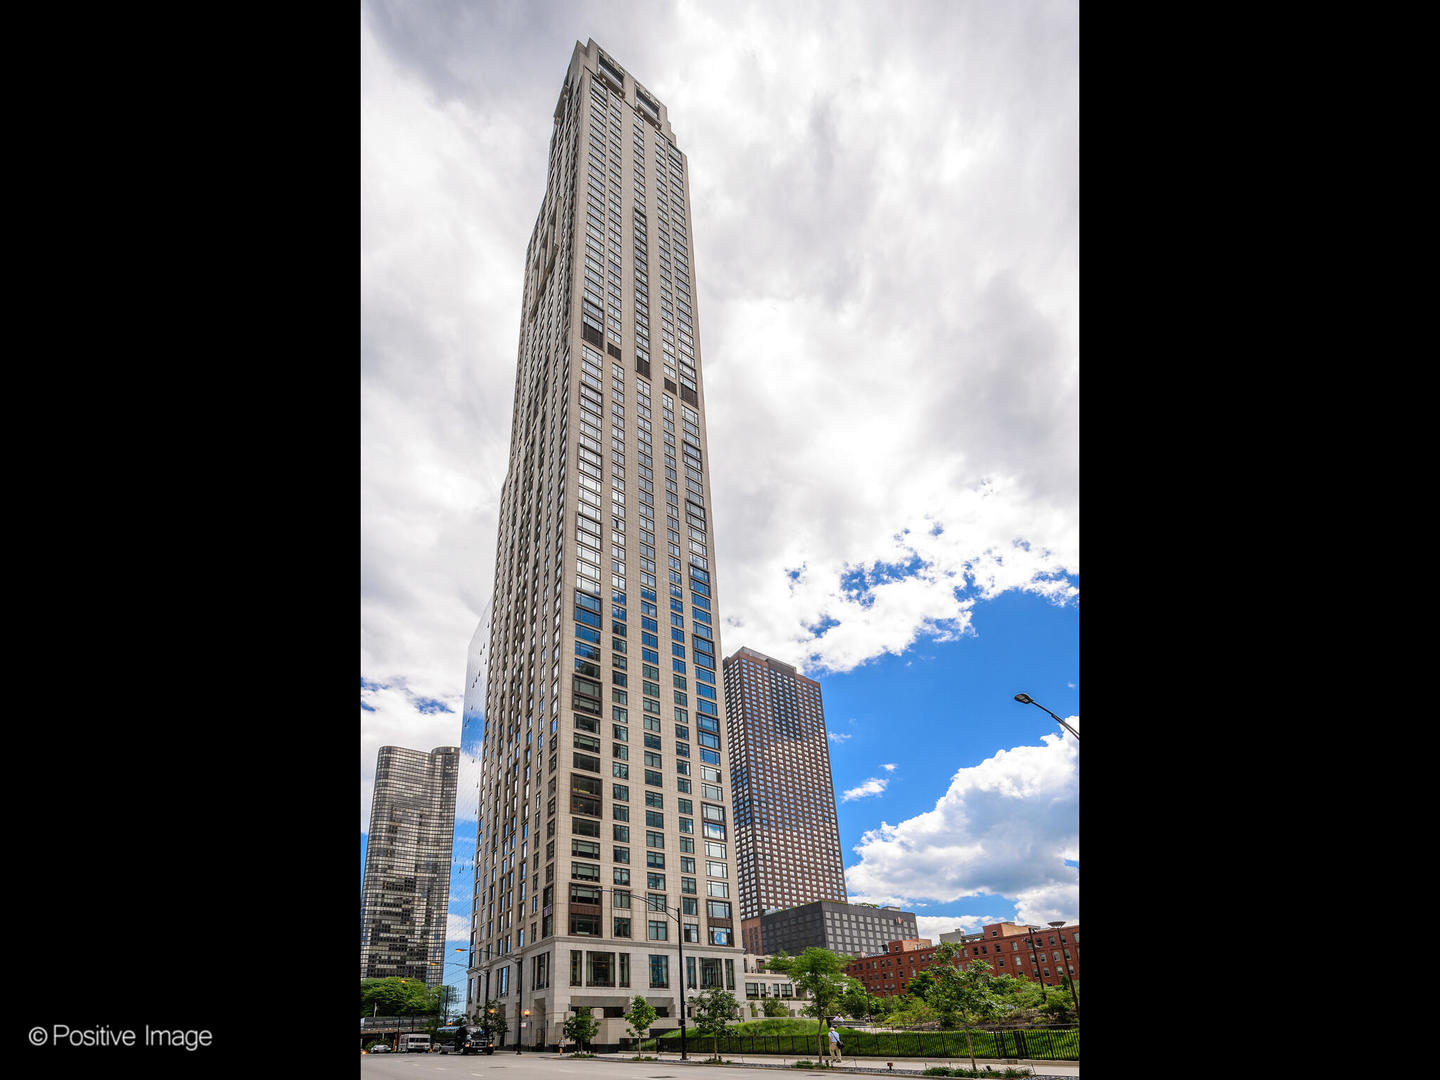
{"x":1026,"y":699}
{"x":677,"y":914}
{"x":1073,"y":997}
{"x":1035,"y":958}
{"x":445,"y":1012}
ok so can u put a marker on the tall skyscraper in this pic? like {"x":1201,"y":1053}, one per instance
{"x":604,"y":852}
{"x":405,"y":892}
{"x":786,"y":834}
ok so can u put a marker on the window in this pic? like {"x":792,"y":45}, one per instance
{"x":600,"y":969}
{"x":659,"y":931}
{"x":659,"y":971}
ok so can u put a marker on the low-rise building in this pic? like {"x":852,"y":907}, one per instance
{"x":1042,"y":954}
{"x":762,"y":985}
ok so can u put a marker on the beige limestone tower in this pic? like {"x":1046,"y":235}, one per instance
{"x":605,"y":844}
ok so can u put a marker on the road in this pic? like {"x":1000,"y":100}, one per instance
{"x":543,"y":1066}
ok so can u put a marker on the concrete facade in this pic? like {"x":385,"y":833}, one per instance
{"x":605,"y":844}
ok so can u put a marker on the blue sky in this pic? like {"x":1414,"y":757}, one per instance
{"x":912,"y":722}
{"x":885,"y":202}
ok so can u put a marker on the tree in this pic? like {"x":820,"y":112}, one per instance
{"x":714,"y":1010}
{"x":820,"y":975}
{"x":396,"y":997}
{"x":493,"y":1022}
{"x":446,"y":994}
{"x":1055,"y":1008}
{"x":921,"y":985}
{"x":964,"y":996}
{"x":641,"y":1017}
{"x":581,"y":1027}
{"x":912,"y":1012}
{"x":774,"y":1007}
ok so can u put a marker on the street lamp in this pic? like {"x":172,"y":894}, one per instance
{"x":1073,"y":997}
{"x":1035,"y":958}
{"x":1026,"y":699}
{"x":519,"y":995}
{"x":678,"y":913}
{"x":445,"y":997}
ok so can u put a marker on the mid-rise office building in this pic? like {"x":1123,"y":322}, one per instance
{"x":605,"y":846}
{"x":405,"y":889}
{"x":853,"y":929}
{"x":787,"y":833}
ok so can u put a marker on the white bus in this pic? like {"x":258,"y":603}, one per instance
{"x":414,"y":1044}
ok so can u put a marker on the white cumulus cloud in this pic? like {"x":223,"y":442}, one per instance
{"x":873,"y":786}
{"x":1004,"y":828}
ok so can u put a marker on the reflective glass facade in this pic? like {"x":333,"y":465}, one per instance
{"x":405,"y":891}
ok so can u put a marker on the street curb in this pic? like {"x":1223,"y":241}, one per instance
{"x":858,"y":1070}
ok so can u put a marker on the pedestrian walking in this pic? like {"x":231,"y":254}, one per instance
{"x":835,"y":1044}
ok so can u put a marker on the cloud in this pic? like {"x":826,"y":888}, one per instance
{"x":932,"y":926}
{"x":895,"y":250}
{"x":393,"y":715}
{"x":836,"y":737}
{"x":888,"y":768}
{"x":1004,"y":828}
{"x":869,"y":787}
{"x":936,"y":351}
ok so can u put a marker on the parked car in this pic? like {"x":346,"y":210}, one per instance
{"x":380,"y":1048}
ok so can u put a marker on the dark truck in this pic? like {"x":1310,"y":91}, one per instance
{"x":477,"y":1041}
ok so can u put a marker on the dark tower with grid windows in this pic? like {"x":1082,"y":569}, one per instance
{"x":787,"y":834}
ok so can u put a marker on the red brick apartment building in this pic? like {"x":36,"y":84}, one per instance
{"x":1009,"y":949}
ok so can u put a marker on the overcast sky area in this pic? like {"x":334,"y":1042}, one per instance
{"x":886,"y":243}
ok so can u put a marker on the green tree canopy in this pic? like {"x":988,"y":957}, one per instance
{"x":492,"y":1020}
{"x":397,"y":997}
{"x":714,"y":1010}
{"x":921,"y":985}
{"x":964,"y":996}
{"x":581,"y":1027}
{"x":820,"y":974}
{"x":641,"y":1018}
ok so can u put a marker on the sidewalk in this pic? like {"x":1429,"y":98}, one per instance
{"x":862,"y":1066}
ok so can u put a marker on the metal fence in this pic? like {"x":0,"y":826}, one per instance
{"x":1049,"y":1044}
